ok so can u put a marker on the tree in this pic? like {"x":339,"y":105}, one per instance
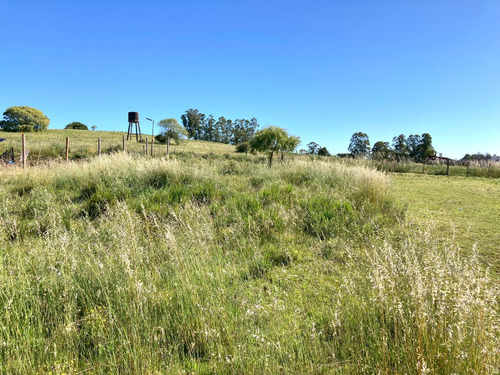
{"x":172,"y":129}
{"x":413,"y":146}
{"x":221,"y":126}
{"x":381,"y":150}
{"x":323,"y":151}
{"x":419,"y":147}
{"x":192,"y":121}
{"x":400,"y":148}
{"x":289,"y":145}
{"x":77,"y":125}
{"x":271,"y":139}
{"x":426,"y":151}
{"x":313,"y":148}
{"x":24,"y":119}
{"x":94,"y":127}
{"x":360,"y":144}
{"x":209,"y":129}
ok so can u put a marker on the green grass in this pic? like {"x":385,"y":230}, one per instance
{"x":51,"y":145}
{"x":212,"y":264}
{"x":467,"y":208}
{"x":475,"y":169}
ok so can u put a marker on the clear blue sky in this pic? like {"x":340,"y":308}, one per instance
{"x":321,"y":69}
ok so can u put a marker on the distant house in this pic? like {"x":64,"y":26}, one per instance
{"x":495,"y":158}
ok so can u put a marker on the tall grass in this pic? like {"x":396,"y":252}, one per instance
{"x":132,"y":265}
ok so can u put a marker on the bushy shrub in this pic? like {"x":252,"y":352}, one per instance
{"x":76,"y":126}
{"x":243,"y":147}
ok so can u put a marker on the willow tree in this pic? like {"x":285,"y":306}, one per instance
{"x":271,"y":140}
{"x":289,"y":145}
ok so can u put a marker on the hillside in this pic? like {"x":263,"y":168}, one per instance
{"x":128,"y":264}
{"x":83,"y":143}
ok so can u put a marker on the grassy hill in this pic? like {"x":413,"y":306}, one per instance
{"x":83,"y":143}
{"x":212,"y":264}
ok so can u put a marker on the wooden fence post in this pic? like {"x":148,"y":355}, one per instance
{"x":152,"y":146}
{"x":124,"y":143}
{"x":24,"y":150}
{"x":67,"y":149}
{"x":146,"y":153}
{"x":447,"y":167}
{"x":99,"y":146}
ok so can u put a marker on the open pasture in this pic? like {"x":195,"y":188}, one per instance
{"x":126,"y":264}
{"x":51,"y":144}
{"x":466,"y":208}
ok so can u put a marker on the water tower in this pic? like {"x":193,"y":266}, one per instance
{"x":133,"y":118}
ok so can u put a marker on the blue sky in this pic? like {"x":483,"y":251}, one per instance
{"x":321,"y":69}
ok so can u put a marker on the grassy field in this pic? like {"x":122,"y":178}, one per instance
{"x":51,"y":145}
{"x":218,"y":264}
{"x":475,"y":169}
{"x":467,"y":208}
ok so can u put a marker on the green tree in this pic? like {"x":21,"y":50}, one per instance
{"x":76,"y":125}
{"x":419,"y":147}
{"x":323,"y":151}
{"x":313,"y":148}
{"x":171,"y":130}
{"x":289,"y":145}
{"x":413,"y":146}
{"x":381,"y":150}
{"x":425,"y":149}
{"x":359,"y":145}
{"x":209,"y":129}
{"x":24,"y":119}
{"x":192,"y":121}
{"x":400,"y":148}
{"x":94,"y":127}
{"x":271,"y":140}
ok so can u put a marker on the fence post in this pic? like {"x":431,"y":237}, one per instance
{"x":152,"y":146}
{"x":67,"y":149}
{"x":447,"y":167}
{"x":99,"y":146}
{"x":123,"y":143}
{"x":146,"y":153}
{"x":24,"y":149}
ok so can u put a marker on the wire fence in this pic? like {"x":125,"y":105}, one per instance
{"x":471,"y":169}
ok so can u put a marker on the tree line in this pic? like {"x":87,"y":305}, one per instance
{"x":415,"y":147}
{"x":199,"y":126}
{"x":207,"y":128}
